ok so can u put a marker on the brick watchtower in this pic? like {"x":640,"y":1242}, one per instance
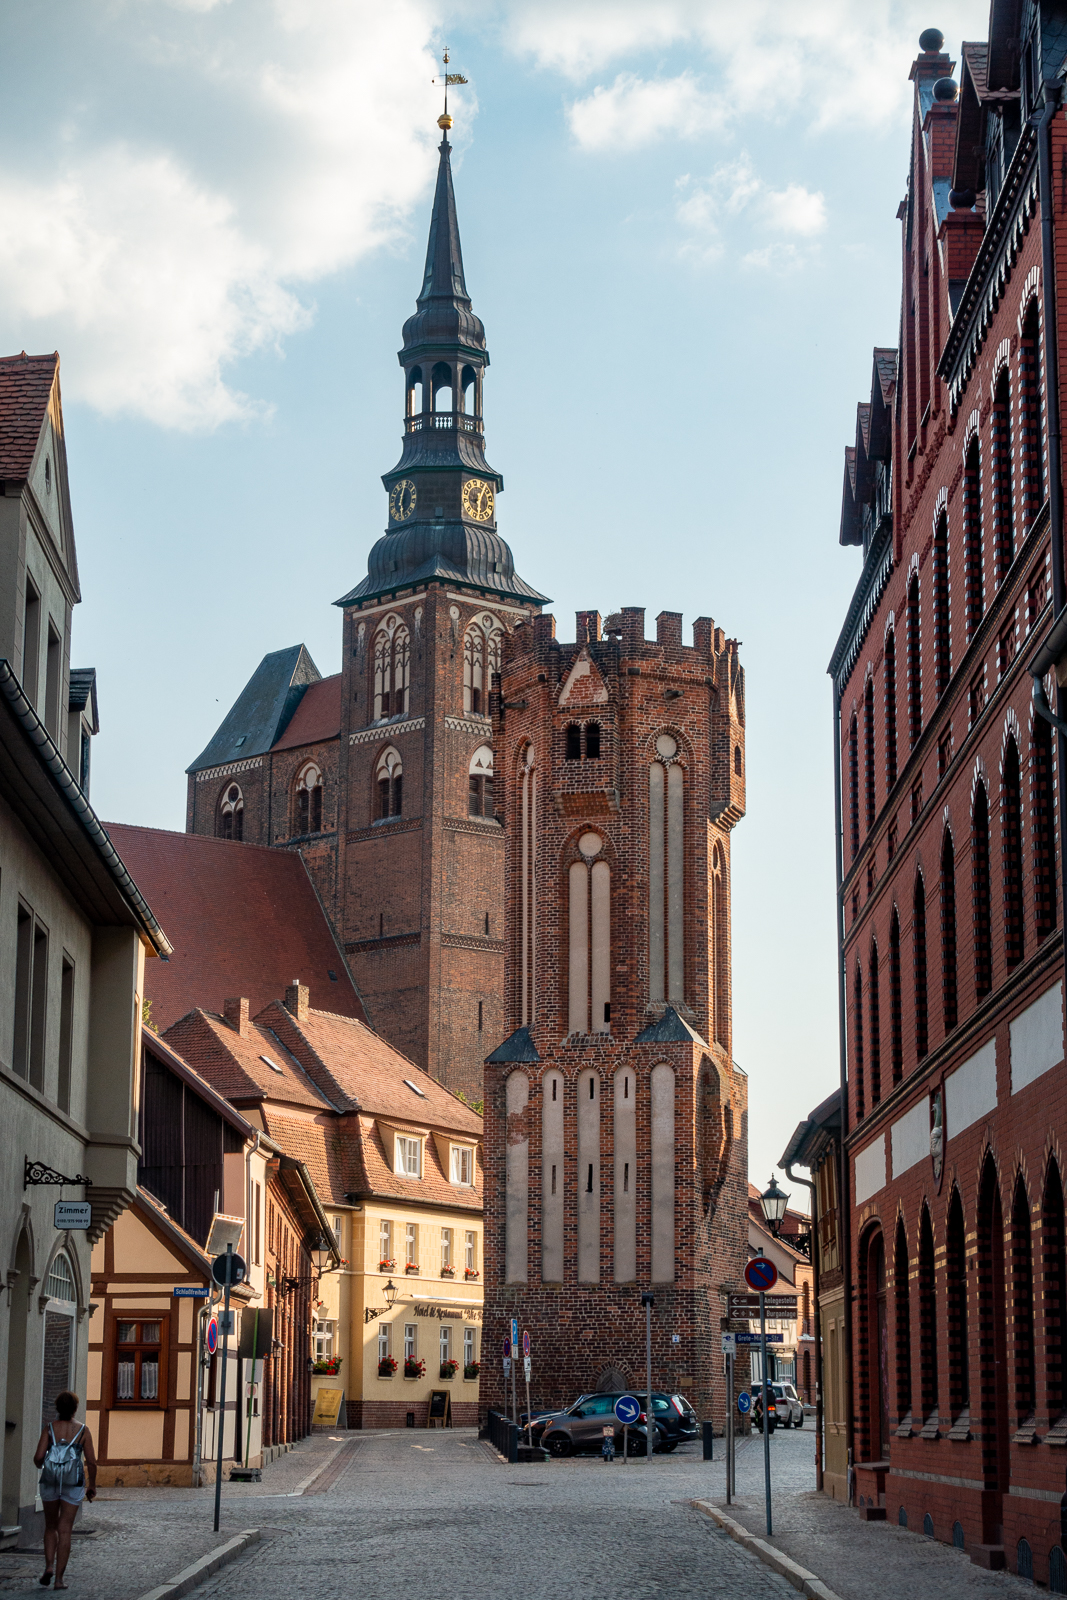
{"x":615,"y":1118}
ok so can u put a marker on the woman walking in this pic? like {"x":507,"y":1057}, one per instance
{"x":64,"y":1452}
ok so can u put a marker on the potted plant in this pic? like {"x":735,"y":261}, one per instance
{"x":449,"y":1368}
{"x":386,"y":1366}
{"x":472,"y":1369}
{"x":448,"y":1271}
{"x":386,"y":1265}
{"x":471,"y":1272}
{"x":414,"y":1368}
{"x":411,"y":1266}
{"x":331,"y":1367}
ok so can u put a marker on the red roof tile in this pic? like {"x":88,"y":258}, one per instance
{"x":234,"y":1063}
{"x":244,"y":921}
{"x":25,"y":389}
{"x":316,"y":718}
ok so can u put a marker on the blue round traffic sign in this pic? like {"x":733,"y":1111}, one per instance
{"x":761,"y":1274}
{"x":627,"y":1409}
{"x":744,"y":1402}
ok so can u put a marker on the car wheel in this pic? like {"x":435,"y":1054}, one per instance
{"x":559,"y":1446}
{"x":636,"y":1446}
{"x":787,"y":1422}
{"x":671,"y":1447}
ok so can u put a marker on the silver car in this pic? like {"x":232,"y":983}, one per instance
{"x":788,"y":1405}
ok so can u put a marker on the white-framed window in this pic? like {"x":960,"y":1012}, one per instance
{"x":470,"y":1257}
{"x":385,"y":1240}
{"x":463,"y":1164}
{"x":468,"y":1347}
{"x":384,"y":1341}
{"x":408,"y":1157}
{"x":446,"y":1341}
{"x":338,"y":1224}
{"x":323,"y":1337}
{"x":411,"y":1330}
{"x":446,"y":1247}
{"x":411,"y":1242}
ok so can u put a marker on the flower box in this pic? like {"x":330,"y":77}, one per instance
{"x":414,"y":1369}
{"x":385,"y":1265}
{"x":472,"y":1369}
{"x":386,"y":1367}
{"x":471,"y":1272}
{"x":448,"y":1272}
{"x":411,"y":1266}
{"x":449,"y":1369}
{"x":330,"y":1368}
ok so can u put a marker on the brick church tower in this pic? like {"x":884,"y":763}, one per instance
{"x":382,"y":776}
{"x":615,"y":1117}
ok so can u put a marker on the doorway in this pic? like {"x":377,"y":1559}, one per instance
{"x":15,"y":1442}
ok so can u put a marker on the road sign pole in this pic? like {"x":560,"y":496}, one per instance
{"x":220,"y":1398}
{"x":729,"y":1428}
{"x":766,"y":1407}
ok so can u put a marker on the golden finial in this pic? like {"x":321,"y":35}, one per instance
{"x":444,"y":122}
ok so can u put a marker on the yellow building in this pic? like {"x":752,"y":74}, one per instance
{"x":396,"y":1161}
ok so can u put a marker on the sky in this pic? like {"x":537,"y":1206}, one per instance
{"x":679,"y":228}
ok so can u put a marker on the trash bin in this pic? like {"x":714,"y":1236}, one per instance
{"x":709,"y":1441}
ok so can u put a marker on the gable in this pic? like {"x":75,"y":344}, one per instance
{"x":584,"y":685}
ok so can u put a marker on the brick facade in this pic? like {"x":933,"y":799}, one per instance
{"x":599,"y":1002}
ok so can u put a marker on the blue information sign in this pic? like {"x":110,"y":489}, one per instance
{"x":627,"y":1409}
{"x":190,"y":1291}
{"x":754,"y":1338}
{"x":744,"y":1403}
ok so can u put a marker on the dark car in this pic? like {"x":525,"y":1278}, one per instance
{"x":772,"y":1408}
{"x":581,"y":1426}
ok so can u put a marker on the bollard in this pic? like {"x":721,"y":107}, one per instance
{"x":709,"y":1441}
{"x":513,"y":1442}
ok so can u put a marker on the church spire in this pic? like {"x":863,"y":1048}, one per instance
{"x":443,"y":277}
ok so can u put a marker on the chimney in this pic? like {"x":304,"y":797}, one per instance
{"x":297,"y":997}
{"x":235,"y":1013}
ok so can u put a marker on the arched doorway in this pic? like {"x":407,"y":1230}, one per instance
{"x":16,"y":1445}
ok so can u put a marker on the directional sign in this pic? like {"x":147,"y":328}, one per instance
{"x":627,"y":1409}
{"x":514,"y":1333}
{"x":211,"y":1337}
{"x":230,"y":1264}
{"x":761,"y":1274}
{"x":747,"y":1305}
{"x":754,"y":1338}
{"x":729,"y":1344}
{"x":526,"y":1343}
{"x":744,"y":1402}
{"x":73,"y":1214}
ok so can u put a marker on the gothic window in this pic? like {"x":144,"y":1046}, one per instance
{"x":959,"y":1394}
{"x":927,"y":1320}
{"x":1022,"y":1304}
{"x":1000,"y":439}
{"x":482,"y":644}
{"x":1044,"y":802}
{"x":974,"y":580}
{"x":890,"y":710}
{"x":874,"y":1026}
{"x":915,"y":693}
{"x":392,"y":669}
{"x":948,"y":932}
{"x":480,"y":783}
{"x":307,"y":795}
{"x":983,"y":946}
{"x":589,"y":961}
{"x":527,"y":777}
{"x":666,"y":874}
{"x":389,"y":778}
{"x":902,"y":1296}
{"x":230,"y":821}
{"x":1012,"y":846}
{"x":857,"y":1041}
{"x":1054,"y":1290}
{"x":854,"y":787}
{"x":868,"y":751}
{"x":896,"y":1019}
{"x":942,"y":646}
{"x":918,"y":941}
{"x":1031,"y":442}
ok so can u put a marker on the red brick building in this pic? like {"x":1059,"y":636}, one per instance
{"x":381,"y":777}
{"x":615,"y":1117}
{"x":950,"y":891}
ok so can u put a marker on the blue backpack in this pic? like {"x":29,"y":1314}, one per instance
{"x":63,"y":1467}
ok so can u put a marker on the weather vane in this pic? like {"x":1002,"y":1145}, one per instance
{"x":445,"y":122}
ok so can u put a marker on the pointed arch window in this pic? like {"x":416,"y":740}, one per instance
{"x":915,"y":696}
{"x":1012,"y":850}
{"x":983,"y":947}
{"x":890,"y":669}
{"x":666,"y":880}
{"x":948,"y":933}
{"x":896,"y":1009}
{"x":482,"y":651}
{"x":927,"y":1321}
{"x":1031,"y":421}
{"x":857,"y":1042}
{"x":1022,"y":1305}
{"x":959,"y":1390}
{"x":918,"y":941}
{"x":1044,"y":834}
{"x":991,"y":1310}
{"x":854,"y":787}
{"x":230,"y":821}
{"x":874,"y":1046}
{"x":480,"y":783}
{"x":868,"y":750}
{"x":307,"y":798}
{"x":942,"y":640}
{"x":1000,"y":441}
{"x":902,"y":1298}
{"x":392,"y":669}
{"x":389,"y":781}
{"x":589,"y":961}
{"x":973,"y":560}
{"x":1054,"y":1291}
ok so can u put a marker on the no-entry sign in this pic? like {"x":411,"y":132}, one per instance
{"x":761,"y":1274}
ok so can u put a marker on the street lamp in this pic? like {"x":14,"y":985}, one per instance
{"x":320,"y":1253}
{"x":773,"y":1203}
{"x":390,"y":1294}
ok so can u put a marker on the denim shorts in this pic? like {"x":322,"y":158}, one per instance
{"x":70,"y":1495}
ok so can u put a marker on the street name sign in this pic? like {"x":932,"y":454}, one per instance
{"x":189,"y":1291}
{"x":627,"y":1409}
{"x":747,"y":1305}
{"x":754,"y":1338}
{"x":761,"y":1274}
{"x":72,"y":1214}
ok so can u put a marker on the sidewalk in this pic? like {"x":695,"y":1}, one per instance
{"x":857,"y":1560}
{"x":129,"y":1541}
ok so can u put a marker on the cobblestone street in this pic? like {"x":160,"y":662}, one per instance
{"x":380,"y":1514}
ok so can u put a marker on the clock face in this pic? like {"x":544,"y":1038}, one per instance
{"x":402,"y":500}
{"x":478,"y":499}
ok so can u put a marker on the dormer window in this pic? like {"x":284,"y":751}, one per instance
{"x":408,"y":1162}
{"x":462,"y":1161}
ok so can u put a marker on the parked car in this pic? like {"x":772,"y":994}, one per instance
{"x":788,"y":1405}
{"x":581,"y":1426}
{"x":675,"y":1419}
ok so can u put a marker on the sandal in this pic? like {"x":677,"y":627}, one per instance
{"x":45,"y":1579}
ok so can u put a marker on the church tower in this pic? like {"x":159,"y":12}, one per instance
{"x":615,"y":1116}
{"x":421,"y":856}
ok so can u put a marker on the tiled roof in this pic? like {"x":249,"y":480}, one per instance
{"x":244,"y":921}
{"x":885,"y":365}
{"x":354,"y":1067}
{"x":433,"y":1188}
{"x":25,"y":388}
{"x":320,"y":1143}
{"x":317,"y":717}
{"x":233,"y":1063}
{"x":976,"y":55}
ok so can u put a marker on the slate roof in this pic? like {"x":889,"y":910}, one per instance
{"x":670,"y":1029}
{"x":518,"y":1046}
{"x":263,"y":710}
{"x":244,"y":921}
{"x":317,"y":717}
{"x":25,"y":390}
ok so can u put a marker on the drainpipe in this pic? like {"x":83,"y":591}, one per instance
{"x":815,"y":1318}
{"x":844,"y":1204}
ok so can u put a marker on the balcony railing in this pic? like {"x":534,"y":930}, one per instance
{"x":464,"y":421}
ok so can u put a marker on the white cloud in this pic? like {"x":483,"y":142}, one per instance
{"x":156,"y":242}
{"x":734,"y":194}
{"x":634,"y":111}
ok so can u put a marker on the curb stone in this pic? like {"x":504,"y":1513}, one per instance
{"x":798,"y":1576}
{"x":192,"y":1576}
